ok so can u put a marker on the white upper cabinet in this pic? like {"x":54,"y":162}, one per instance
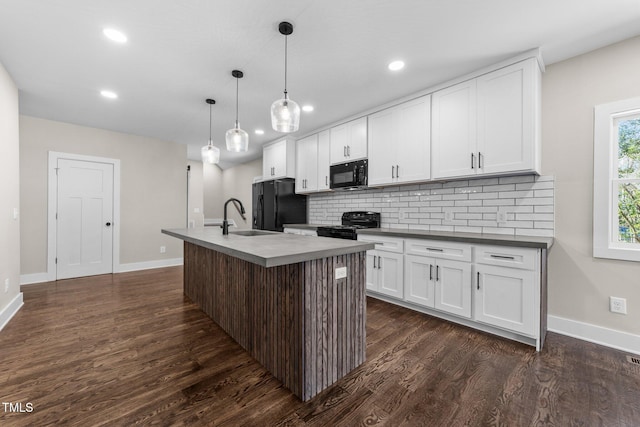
{"x":324,"y":160}
{"x":399,"y":143}
{"x":349,"y":141}
{"x":488,"y":125}
{"x":507,"y":118}
{"x":312,"y":163}
{"x":279,"y":159}
{"x":307,"y":164}
{"x":453,"y":120}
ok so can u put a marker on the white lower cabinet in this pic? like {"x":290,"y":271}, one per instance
{"x":493,"y":288}
{"x":508,"y":296}
{"x":419,"y":277}
{"x":453,"y":287}
{"x":385,"y":273}
{"x":438,"y":283}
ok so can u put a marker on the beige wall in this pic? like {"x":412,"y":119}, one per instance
{"x":153,"y":188}
{"x":236,"y":182}
{"x":212,"y":187}
{"x":580,"y":285}
{"x":9,"y":190}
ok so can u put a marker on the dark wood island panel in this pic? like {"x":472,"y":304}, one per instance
{"x":306,"y":327}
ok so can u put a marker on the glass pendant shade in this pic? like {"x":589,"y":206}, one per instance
{"x":237,"y":139}
{"x":210,"y":154}
{"x":285,"y":115}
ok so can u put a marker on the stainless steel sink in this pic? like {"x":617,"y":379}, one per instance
{"x":252,"y":233}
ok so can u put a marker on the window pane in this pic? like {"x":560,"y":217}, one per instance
{"x":629,"y":212}
{"x":629,"y":148}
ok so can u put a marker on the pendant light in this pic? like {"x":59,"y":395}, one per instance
{"x":210,"y":154}
{"x":285,"y":113}
{"x":237,"y":139}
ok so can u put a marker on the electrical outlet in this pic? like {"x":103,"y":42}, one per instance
{"x":448,"y":215}
{"x":341,"y":272}
{"x":163,"y":249}
{"x":502,"y":216}
{"x":618,"y":305}
{"x":6,"y":285}
{"x":402,"y":215}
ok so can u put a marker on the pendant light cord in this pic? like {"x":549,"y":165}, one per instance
{"x":237,"y":126}
{"x":285,"y":66}
{"x":210,"y":141}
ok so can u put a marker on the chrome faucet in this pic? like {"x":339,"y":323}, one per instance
{"x":240,"y":209}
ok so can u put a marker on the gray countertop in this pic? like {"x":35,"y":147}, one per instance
{"x":482,"y":238}
{"x":269,"y":250}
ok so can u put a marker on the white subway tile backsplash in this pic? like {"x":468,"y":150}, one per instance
{"x":527,"y":200}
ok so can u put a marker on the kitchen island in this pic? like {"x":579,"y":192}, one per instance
{"x":297,"y":304}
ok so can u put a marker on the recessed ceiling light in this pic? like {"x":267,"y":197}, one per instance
{"x":115,"y":35}
{"x":108,"y":94}
{"x":396,"y":65}
{"x":307,"y":108}
{"x":259,"y":132}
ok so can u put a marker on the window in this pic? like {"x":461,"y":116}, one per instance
{"x":616,"y":181}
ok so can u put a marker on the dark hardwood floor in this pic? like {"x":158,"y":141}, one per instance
{"x":130,"y":349}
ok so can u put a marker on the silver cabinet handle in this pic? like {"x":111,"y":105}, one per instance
{"x":397,"y":171}
{"x":344,"y":151}
{"x":437,"y":273}
{"x":502,"y":257}
{"x":478,"y":280}
{"x":392,"y":172}
{"x":326,"y":180}
{"x":374,"y":261}
{"x":348,"y":151}
{"x":379,"y":262}
{"x":435,"y":249}
{"x":430,"y":272}
{"x":473,"y":160}
{"x":479,"y":160}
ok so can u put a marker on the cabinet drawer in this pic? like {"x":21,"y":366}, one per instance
{"x":438,"y":249}
{"x":506,"y":256}
{"x":389,"y":244}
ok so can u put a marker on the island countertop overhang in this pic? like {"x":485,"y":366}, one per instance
{"x":269,"y":250}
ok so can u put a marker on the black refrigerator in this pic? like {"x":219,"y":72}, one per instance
{"x":276,"y":203}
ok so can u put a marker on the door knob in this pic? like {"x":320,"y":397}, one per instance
{"x":108,"y":224}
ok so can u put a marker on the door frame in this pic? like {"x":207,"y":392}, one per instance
{"x":52,"y":208}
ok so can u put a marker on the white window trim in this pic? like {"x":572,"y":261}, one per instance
{"x":603,"y":192}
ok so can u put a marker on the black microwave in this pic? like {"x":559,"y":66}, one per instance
{"x":348,"y":176}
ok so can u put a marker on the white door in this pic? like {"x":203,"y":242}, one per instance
{"x":84,"y":218}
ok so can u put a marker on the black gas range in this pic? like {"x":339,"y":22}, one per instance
{"x":351,"y":222}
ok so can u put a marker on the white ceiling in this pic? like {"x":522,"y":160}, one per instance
{"x":181,"y":52}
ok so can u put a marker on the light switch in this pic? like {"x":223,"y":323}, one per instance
{"x":15,"y":213}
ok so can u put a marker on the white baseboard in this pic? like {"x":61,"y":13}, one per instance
{"x":9,"y":311}
{"x":30,"y":279}
{"x":596,"y":334}
{"x":147,"y":265}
